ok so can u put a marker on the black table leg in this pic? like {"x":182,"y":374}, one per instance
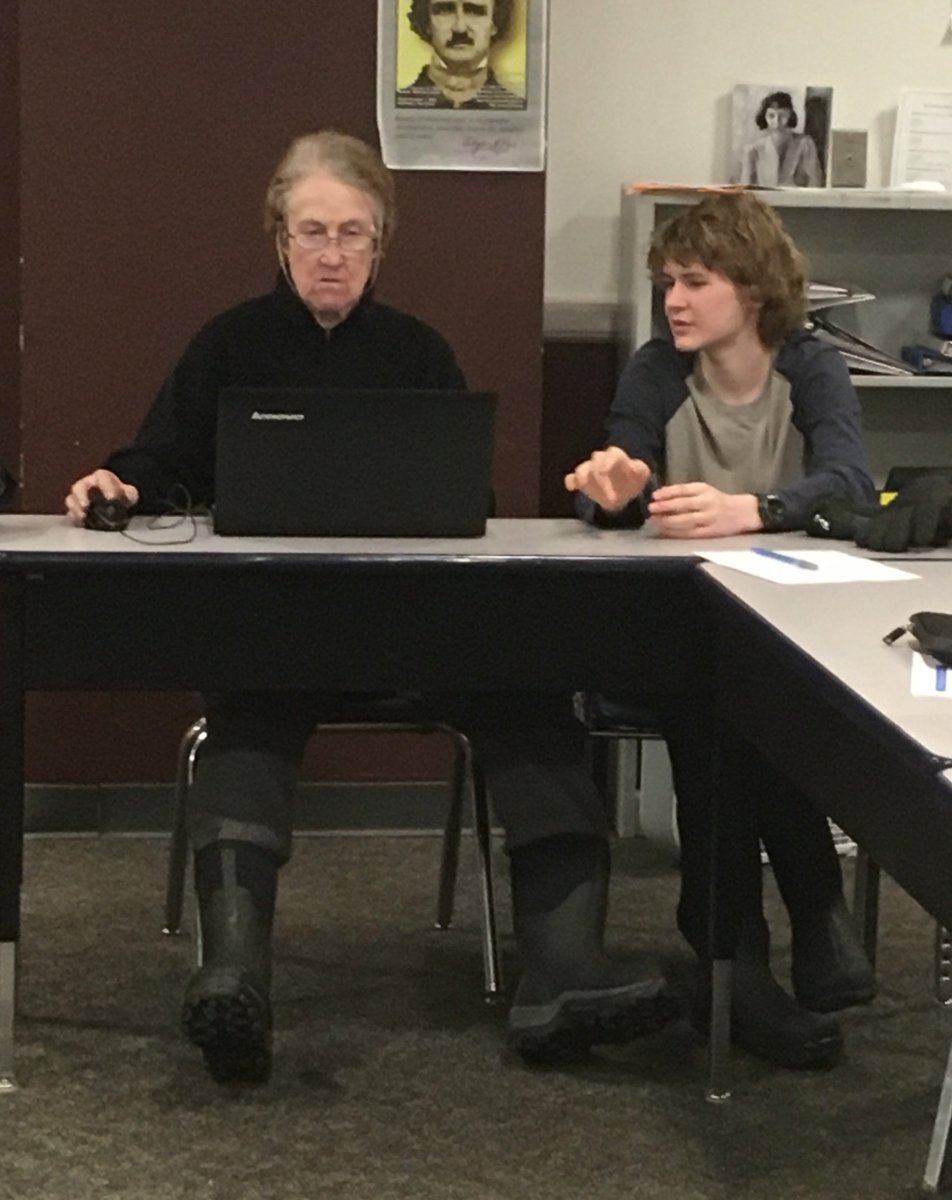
{"x":11,"y":811}
{"x":723,"y":921}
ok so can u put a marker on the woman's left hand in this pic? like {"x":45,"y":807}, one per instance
{"x":697,"y":510}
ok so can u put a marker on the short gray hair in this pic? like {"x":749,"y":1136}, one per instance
{"x":346,"y":158}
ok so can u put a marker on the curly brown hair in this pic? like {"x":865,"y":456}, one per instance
{"x":737,"y":235}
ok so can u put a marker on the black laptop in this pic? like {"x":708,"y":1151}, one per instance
{"x":302,"y":462}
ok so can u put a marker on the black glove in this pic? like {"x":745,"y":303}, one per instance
{"x":836,"y":517}
{"x":920,"y":515}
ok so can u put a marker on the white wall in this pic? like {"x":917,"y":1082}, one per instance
{"x":640,"y":90}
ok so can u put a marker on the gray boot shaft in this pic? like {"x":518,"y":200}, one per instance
{"x":236,"y":933}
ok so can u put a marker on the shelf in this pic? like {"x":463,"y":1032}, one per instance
{"x":834,"y":198}
{"x":910,"y":382}
{"x":896,"y":244}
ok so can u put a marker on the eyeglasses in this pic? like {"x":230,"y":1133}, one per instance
{"x":348,"y":241}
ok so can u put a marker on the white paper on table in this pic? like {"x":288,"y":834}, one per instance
{"x":833,"y":566}
{"x":930,"y":678}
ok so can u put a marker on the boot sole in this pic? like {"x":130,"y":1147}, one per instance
{"x":836,"y":1001}
{"x":816,"y":1054}
{"x":566,"y":1030}
{"x":229,"y":1020}
{"x":819,"y":1055}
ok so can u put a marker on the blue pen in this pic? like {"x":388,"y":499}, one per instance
{"x":789,"y":559}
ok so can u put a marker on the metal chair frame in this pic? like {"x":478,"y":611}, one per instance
{"x":466,"y":778}
{"x":866,"y":916}
{"x":635,"y":773}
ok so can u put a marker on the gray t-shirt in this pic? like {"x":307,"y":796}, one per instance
{"x":801,"y":438}
{"x":737,"y":448}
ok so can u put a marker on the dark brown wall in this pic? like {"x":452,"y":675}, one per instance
{"x":579,"y":379}
{"x":148,"y":132}
{"x":9,"y":240}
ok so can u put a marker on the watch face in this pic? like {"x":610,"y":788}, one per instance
{"x":772,"y":512}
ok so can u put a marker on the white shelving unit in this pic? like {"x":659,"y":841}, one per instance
{"x":897,"y":245}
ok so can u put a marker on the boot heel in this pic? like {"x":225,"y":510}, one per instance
{"x":228,"y":1018}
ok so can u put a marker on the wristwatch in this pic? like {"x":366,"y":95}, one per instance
{"x":772,"y":512}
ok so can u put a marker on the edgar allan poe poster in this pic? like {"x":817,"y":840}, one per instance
{"x":461,"y":84}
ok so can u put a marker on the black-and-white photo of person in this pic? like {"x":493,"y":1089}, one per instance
{"x":780,"y":135}
{"x":462,"y":36}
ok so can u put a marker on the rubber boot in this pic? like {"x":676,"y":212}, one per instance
{"x":765,"y":1020}
{"x":227,"y":1007}
{"x":829,"y":969}
{"x":572,"y":995}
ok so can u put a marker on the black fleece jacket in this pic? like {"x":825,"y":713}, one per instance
{"x":272,"y":340}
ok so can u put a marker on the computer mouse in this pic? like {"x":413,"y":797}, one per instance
{"x":110,"y":516}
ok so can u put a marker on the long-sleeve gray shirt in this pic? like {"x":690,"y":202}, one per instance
{"x":801,"y":438}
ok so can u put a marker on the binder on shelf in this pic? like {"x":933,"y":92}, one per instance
{"x":829,"y":295}
{"x":862,"y":358}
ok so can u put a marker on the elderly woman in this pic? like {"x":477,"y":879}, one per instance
{"x":330,"y":213}
{"x":780,"y":157}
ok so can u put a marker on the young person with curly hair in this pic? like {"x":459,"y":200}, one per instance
{"x":740,"y":422}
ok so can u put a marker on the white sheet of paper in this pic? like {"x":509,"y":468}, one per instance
{"x":833,"y":566}
{"x":930,"y":678}
{"x":922,"y":145}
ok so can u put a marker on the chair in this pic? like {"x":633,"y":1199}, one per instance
{"x":635,"y":773}
{"x":631,"y":765}
{"x":866,"y":916}
{"x":466,"y":777}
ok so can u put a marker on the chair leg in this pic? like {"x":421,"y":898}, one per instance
{"x":866,"y":902}
{"x":943,"y":965}
{"x":178,"y":849}
{"x":658,"y":813}
{"x":449,"y":861}
{"x":492,"y":968}
{"x":939,"y":1145}
{"x":622,"y":778}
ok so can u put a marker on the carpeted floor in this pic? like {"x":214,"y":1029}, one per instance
{"x":390,"y":1081}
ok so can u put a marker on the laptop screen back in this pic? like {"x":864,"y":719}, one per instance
{"x":301,"y":462}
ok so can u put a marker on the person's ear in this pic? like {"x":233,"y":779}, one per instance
{"x":281,"y":247}
{"x":374,"y":270}
{"x":752,"y":298}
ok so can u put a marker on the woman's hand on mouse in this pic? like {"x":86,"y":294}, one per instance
{"x":111,"y":487}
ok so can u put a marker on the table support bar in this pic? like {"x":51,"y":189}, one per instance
{"x":938,"y":1148}
{"x":8,"y":983}
{"x":719,"y":1047}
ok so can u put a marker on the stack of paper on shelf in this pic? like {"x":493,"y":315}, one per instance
{"x":828,"y":295}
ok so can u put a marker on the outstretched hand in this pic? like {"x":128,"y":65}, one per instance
{"x":610,"y":477}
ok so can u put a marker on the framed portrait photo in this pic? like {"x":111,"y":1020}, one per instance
{"x":780,"y":135}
